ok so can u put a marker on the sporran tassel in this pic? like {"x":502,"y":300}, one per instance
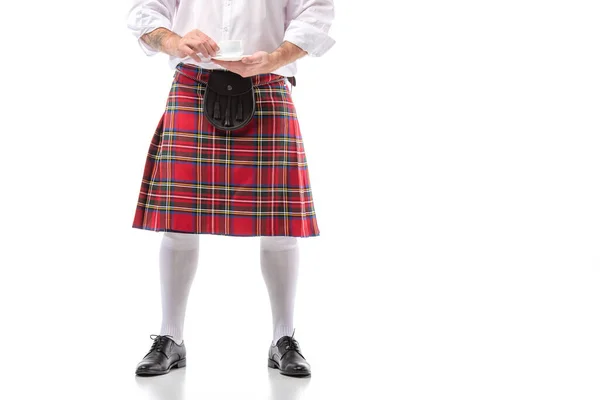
{"x":238,"y":115}
{"x":228,"y":113}
{"x":217,"y":110}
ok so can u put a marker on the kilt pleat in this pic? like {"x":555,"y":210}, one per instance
{"x":249,"y":182}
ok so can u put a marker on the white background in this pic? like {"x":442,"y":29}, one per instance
{"x":454,"y":155}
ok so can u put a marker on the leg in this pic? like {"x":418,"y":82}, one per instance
{"x":178,"y":261}
{"x":279,"y":260}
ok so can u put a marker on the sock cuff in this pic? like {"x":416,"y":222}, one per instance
{"x":181,"y":241}
{"x":278,"y":243}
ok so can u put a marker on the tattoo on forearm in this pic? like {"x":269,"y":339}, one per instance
{"x":155,"y":38}
{"x":288,"y":53}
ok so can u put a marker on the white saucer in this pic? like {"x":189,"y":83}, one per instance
{"x":225,"y":57}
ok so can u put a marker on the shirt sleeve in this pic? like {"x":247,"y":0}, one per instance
{"x":307,"y":25}
{"x":148,"y":15}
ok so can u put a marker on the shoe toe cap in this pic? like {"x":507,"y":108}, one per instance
{"x":146,"y":367}
{"x":298,"y":368}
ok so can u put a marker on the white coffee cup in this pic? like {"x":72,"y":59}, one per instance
{"x":230,"y":48}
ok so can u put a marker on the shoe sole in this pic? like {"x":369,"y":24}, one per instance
{"x":275,"y":365}
{"x":178,"y":364}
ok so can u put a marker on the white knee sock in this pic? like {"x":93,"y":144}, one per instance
{"x":178,"y":261}
{"x":279,"y":260}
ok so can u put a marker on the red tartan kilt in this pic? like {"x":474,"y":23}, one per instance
{"x":250,"y":182}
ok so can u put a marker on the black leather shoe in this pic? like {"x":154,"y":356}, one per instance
{"x":163,"y":355}
{"x":285,"y":356}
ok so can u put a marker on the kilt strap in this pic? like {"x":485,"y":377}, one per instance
{"x":189,"y":71}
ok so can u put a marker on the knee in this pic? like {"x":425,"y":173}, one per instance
{"x":181,"y":241}
{"x":278,"y":243}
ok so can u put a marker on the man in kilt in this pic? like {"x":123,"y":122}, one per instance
{"x":248,"y":179}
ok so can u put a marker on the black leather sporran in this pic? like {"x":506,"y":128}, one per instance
{"x":229,"y":102}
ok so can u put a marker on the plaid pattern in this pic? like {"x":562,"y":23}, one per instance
{"x":250,"y":182}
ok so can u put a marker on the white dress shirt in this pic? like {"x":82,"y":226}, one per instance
{"x":260,"y":24}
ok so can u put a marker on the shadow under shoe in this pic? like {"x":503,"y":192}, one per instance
{"x":286,"y":356}
{"x":163,"y":355}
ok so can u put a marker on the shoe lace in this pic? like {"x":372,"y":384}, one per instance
{"x":291,"y":344}
{"x":159,"y":342}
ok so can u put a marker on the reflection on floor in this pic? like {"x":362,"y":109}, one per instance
{"x":172,"y":386}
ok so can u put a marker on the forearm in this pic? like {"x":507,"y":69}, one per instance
{"x":287,"y":53}
{"x":162,"y":39}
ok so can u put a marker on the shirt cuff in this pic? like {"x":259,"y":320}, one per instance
{"x":309,"y":38}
